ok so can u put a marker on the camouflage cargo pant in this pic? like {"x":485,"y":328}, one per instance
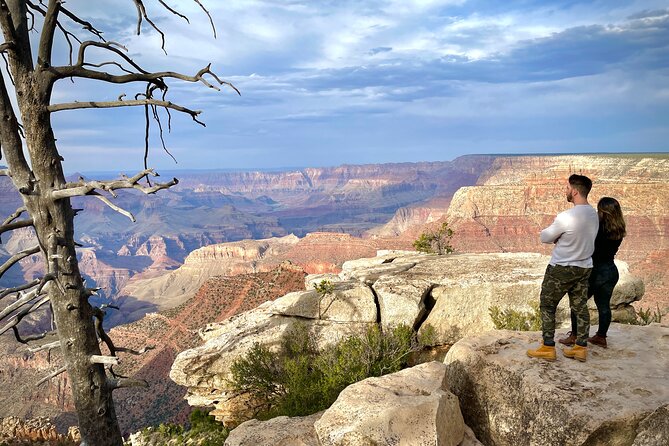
{"x":558,"y":280}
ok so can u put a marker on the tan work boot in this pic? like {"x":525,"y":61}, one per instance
{"x":577,"y":352}
{"x":546,"y":352}
{"x":569,"y":340}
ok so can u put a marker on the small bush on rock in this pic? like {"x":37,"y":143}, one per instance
{"x":510,"y":319}
{"x":435,"y":241}
{"x":301,"y":380}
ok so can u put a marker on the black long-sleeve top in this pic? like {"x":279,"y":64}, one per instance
{"x":605,"y":248}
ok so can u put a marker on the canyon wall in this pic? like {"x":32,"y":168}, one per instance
{"x":521,"y":195}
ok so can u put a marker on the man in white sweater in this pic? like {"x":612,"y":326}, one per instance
{"x":573,"y":232}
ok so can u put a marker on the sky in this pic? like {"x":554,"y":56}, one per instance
{"x":330,"y":82}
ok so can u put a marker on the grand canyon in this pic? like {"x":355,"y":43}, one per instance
{"x":224,"y":242}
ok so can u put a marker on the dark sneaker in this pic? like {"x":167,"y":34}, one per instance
{"x":598,"y":340}
{"x":569,"y":340}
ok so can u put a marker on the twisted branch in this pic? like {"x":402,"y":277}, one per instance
{"x":87,"y":188}
{"x":17,"y":257}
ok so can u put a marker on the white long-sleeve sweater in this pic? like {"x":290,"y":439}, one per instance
{"x":573,"y":232}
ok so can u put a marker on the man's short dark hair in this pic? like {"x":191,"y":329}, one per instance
{"x":581,"y":183}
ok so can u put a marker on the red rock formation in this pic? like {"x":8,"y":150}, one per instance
{"x":520,"y":195}
{"x":175,"y":330}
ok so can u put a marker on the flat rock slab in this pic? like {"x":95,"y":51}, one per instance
{"x":409,"y":407}
{"x":279,"y":431}
{"x":618,"y":397}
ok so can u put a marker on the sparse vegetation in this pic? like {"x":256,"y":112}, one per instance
{"x":324,"y":288}
{"x":204,"y":431}
{"x":300,"y":379}
{"x":435,"y":241}
{"x":645,"y":317}
{"x":509,"y":319}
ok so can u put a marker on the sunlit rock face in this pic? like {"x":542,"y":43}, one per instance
{"x":618,"y":396}
{"x":449,"y":297}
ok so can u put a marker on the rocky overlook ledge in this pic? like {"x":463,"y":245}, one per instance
{"x":451,"y":293}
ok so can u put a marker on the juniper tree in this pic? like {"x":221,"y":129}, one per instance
{"x":35,"y":167}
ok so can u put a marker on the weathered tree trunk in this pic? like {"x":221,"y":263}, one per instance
{"x":53,"y":221}
{"x":46,"y":195}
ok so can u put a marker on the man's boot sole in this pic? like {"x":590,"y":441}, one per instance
{"x":541,"y":357}
{"x":574,"y":357}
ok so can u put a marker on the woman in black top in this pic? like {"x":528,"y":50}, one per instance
{"x":604,"y":274}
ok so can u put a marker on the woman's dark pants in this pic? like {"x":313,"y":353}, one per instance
{"x":603,"y":280}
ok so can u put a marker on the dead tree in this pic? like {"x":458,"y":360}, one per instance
{"x":35,"y":168}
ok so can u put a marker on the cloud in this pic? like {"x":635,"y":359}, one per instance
{"x":370,"y":81}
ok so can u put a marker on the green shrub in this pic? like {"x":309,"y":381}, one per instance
{"x":435,"y":241}
{"x":324,"y":288}
{"x":645,"y":317}
{"x":510,"y":319}
{"x":300,"y":380}
{"x":204,"y":431}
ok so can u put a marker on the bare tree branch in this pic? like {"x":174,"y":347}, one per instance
{"x":15,"y":225}
{"x":86,"y":188}
{"x":114,"y":207}
{"x":156,"y":78}
{"x":102,"y":359}
{"x":48,"y":29}
{"x":7,"y":291}
{"x":19,"y":316}
{"x":17,"y":257}
{"x":118,"y":383}
{"x":141,"y":12}
{"x":25,"y":339}
{"x":17,"y":213}
{"x":131,"y":103}
{"x":177,"y":13}
{"x":52,"y":375}
{"x":49,"y":346}
{"x":211,"y":20}
{"x":23,"y":300}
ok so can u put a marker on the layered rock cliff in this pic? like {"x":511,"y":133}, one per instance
{"x":521,"y":195}
{"x":448,"y":296}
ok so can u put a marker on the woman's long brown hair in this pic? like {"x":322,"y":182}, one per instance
{"x":611,"y":218}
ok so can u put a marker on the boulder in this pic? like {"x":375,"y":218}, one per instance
{"x":279,"y":431}
{"x":409,"y":407}
{"x":370,"y":270}
{"x":349,"y":302}
{"x":618,"y":397}
{"x":402,"y":299}
{"x":467,"y":285}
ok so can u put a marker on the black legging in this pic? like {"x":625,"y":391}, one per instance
{"x":603,"y":280}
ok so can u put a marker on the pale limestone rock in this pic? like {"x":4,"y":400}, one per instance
{"x":349,"y":302}
{"x":369,"y":270}
{"x":409,"y":407}
{"x":654,"y":429}
{"x":402,"y":299}
{"x":371,"y":274}
{"x":618,"y":395}
{"x":312,"y":279}
{"x":469,"y":284}
{"x":279,"y":431}
{"x":470,"y":438}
